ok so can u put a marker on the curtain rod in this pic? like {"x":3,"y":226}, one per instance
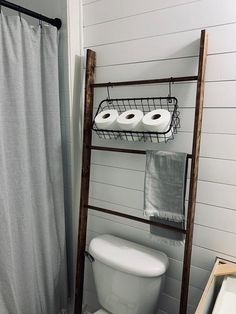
{"x":55,"y":22}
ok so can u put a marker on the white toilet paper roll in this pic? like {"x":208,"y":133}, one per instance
{"x":130,"y":120}
{"x":106,"y":120}
{"x":157,"y":120}
{"x":163,"y":137}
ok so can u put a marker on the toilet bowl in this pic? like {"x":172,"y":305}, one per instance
{"x":128,"y":276}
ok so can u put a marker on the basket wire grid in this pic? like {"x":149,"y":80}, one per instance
{"x":145,"y":105}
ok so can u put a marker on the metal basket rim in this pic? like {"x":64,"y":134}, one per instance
{"x":138,"y":98}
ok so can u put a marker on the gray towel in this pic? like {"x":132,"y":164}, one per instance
{"x":164,"y":191}
{"x":168,"y":236}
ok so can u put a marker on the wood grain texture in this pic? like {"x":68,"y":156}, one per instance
{"x":194,"y":173}
{"x":225,"y":269}
{"x":85,"y":177}
{"x":221,"y":268}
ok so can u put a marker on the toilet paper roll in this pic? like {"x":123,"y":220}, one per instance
{"x":157,"y":120}
{"x":130,"y":120}
{"x":163,"y":137}
{"x":106,"y":120}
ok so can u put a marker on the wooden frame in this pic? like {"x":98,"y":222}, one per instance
{"x":222,"y":267}
{"x":87,"y":147}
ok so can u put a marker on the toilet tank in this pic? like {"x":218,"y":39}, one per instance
{"x":128,"y":276}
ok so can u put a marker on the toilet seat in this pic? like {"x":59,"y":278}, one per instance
{"x":101,"y":311}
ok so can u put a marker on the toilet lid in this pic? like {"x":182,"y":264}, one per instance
{"x":101,"y":311}
{"x":128,"y":257}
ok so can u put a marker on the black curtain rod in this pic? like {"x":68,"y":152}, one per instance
{"x":55,"y":22}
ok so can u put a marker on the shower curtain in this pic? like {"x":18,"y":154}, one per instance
{"x":32,"y":219}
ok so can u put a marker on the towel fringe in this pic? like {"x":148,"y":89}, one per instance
{"x":164,"y":240}
{"x":164,"y":215}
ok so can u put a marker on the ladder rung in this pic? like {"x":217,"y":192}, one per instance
{"x":151,"y":81}
{"x":123,"y":150}
{"x":142,"y":220}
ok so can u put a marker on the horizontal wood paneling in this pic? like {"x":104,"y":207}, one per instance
{"x":206,"y":215}
{"x":166,"y":47}
{"x":203,"y":258}
{"x":225,"y":173}
{"x":86,"y":2}
{"x":214,"y":239}
{"x":170,"y":304}
{"x":198,"y":279}
{"x":219,"y":67}
{"x":172,"y":287}
{"x":214,"y":121}
{"x":134,"y":179}
{"x":149,"y":70}
{"x":216,"y":217}
{"x":221,"y":145}
{"x":196,"y":16}
{"x":110,"y":227}
{"x":198,"y":276}
{"x":210,"y":193}
{"x":217,"y":94}
{"x":154,"y":39}
{"x":203,"y":236}
{"x":95,"y":13}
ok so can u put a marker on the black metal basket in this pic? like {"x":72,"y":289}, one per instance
{"x":145,"y":105}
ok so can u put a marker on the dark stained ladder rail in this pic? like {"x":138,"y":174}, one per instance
{"x":84,"y":196}
{"x":123,"y":215}
{"x":123,"y":150}
{"x":194,"y":172}
{"x":87,"y":147}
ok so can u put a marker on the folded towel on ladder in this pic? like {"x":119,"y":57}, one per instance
{"x":164,"y":190}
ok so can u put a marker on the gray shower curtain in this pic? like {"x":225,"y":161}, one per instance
{"x":32,"y":224}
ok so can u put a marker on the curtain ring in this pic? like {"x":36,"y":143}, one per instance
{"x":19,"y":13}
{"x":40,"y":22}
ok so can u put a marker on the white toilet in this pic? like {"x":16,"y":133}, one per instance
{"x":128,"y":276}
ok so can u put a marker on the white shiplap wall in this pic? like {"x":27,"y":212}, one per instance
{"x":136,"y":39}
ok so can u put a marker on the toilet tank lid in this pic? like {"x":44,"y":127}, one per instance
{"x":128,"y":257}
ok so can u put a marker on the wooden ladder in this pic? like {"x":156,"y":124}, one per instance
{"x":90,"y":85}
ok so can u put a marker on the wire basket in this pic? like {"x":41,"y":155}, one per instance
{"x":145,"y":105}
